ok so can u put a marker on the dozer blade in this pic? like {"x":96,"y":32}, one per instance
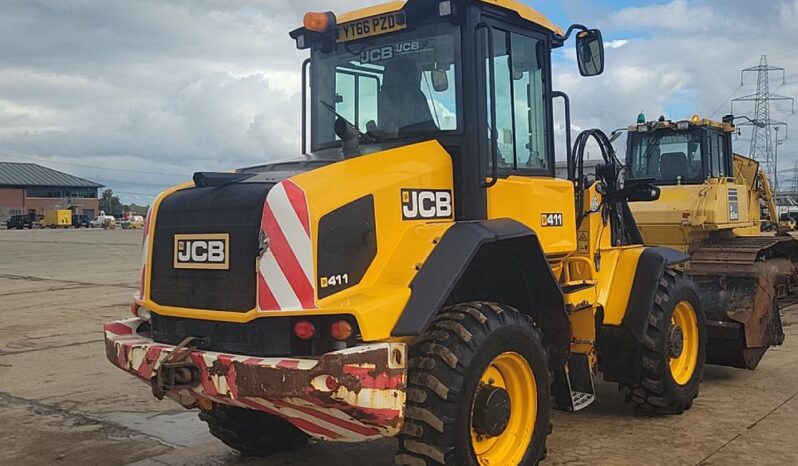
{"x":742,"y":281}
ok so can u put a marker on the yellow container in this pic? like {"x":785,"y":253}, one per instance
{"x":57,"y":218}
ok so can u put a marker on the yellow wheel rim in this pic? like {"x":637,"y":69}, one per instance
{"x":683,"y":343}
{"x":512,"y":373}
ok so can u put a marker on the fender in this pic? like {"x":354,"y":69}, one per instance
{"x":490,"y":260}
{"x":617,"y":343}
{"x":650,"y":267}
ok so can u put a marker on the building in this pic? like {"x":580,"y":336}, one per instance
{"x":589,"y":167}
{"x":28,"y":188}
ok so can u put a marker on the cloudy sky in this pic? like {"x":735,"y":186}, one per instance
{"x":139,"y":94}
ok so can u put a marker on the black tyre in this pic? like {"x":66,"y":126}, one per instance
{"x":673,"y":350}
{"x":478,"y":390}
{"x":252,"y":433}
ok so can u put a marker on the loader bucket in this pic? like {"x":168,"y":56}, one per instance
{"x":740,"y":290}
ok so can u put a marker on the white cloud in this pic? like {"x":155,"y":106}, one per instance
{"x":615,"y":44}
{"x":683,"y":57}
{"x":166,"y":87}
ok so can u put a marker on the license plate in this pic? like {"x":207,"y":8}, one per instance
{"x":373,"y":26}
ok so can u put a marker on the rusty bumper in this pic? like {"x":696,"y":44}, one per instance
{"x":350,"y":395}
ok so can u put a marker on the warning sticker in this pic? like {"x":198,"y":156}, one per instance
{"x":582,"y":243}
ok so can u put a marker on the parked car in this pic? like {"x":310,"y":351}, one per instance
{"x":103,"y":221}
{"x":19,"y":222}
{"x":133,"y":223}
{"x":80,"y":221}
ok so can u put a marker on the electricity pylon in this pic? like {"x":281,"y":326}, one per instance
{"x":762,"y":146}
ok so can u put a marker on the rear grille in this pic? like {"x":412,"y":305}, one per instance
{"x":234,"y":209}
{"x":261,"y":337}
{"x":267,"y":336}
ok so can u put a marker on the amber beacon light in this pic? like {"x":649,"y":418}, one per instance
{"x":319,"y":22}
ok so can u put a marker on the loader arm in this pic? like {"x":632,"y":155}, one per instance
{"x":767,"y":195}
{"x":748,"y":172}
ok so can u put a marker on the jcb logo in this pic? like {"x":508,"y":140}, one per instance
{"x":204,"y":251}
{"x":418,"y":204}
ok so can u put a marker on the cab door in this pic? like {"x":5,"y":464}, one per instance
{"x":525,"y":188}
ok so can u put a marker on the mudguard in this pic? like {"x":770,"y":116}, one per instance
{"x":650,"y":267}
{"x":619,"y":358}
{"x":491,"y":260}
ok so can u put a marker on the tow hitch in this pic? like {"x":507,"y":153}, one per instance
{"x":176,"y":372}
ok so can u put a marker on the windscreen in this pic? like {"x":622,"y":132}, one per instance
{"x":391,"y":86}
{"x":666,"y":155}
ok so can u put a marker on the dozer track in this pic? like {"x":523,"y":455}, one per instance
{"x":743,"y":282}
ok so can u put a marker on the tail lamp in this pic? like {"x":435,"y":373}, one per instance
{"x":341,"y":330}
{"x":304,"y":330}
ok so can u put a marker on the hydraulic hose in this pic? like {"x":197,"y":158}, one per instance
{"x":607,"y":153}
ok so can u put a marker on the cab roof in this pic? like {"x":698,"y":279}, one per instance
{"x":526,"y":12}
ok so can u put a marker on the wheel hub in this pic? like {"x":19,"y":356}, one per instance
{"x":676,"y":341}
{"x":491,"y":410}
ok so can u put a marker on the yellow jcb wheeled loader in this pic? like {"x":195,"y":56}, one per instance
{"x":420,"y":273}
{"x":710,"y":207}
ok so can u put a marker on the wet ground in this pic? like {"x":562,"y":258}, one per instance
{"x":61,"y":402}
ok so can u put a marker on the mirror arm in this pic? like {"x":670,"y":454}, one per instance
{"x":616,"y":134}
{"x":571,"y":29}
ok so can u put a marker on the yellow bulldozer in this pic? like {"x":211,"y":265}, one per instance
{"x":419,"y":272}
{"x":712,"y":206}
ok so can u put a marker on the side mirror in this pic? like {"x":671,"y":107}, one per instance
{"x":440,"y":81}
{"x":636,"y":190}
{"x":590,"y":52}
{"x":643,"y":193}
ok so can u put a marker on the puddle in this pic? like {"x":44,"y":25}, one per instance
{"x":178,"y":429}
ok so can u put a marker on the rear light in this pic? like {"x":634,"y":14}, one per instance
{"x":304,"y":330}
{"x":134,"y":309}
{"x":341,"y":330}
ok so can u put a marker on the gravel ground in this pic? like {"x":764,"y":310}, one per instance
{"x":61,"y":402}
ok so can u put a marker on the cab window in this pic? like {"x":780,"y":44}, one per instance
{"x":390,"y":86}
{"x":520,"y":101}
{"x":666,"y":155}
{"x":718,"y":155}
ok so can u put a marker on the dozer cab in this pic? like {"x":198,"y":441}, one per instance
{"x":711,"y":206}
{"x":420,"y":272}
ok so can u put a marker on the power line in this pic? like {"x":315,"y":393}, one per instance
{"x":135,"y":183}
{"x":94,"y":167}
{"x":723,"y":102}
{"x":135,"y":194}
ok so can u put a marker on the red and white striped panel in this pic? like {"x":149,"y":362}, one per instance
{"x":144,"y":252}
{"x":285,"y":276}
{"x":372,"y":411}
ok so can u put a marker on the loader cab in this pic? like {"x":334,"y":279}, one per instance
{"x":684,"y":152}
{"x":475,"y":75}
